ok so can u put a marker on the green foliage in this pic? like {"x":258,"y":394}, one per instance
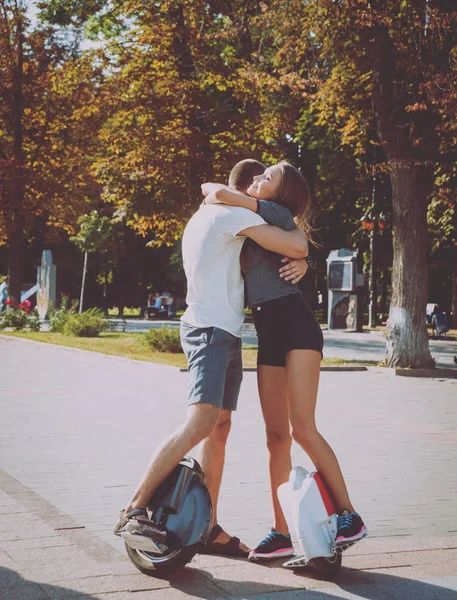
{"x":19,"y":319}
{"x":52,"y":136}
{"x":57,"y":317}
{"x":177,"y":92}
{"x":90,"y":323}
{"x":129,"y":311}
{"x":93,"y":232}
{"x":34,"y":321}
{"x":114,"y":326}
{"x":163,"y":340}
{"x":185,"y":103}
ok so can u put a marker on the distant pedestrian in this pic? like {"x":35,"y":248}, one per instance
{"x":3,"y":294}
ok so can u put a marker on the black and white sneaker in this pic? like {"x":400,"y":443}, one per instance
{"x":350,"y":528}
{"x":274,"y":545}
{"x":140,"y":532}
{"x":138,"y":521}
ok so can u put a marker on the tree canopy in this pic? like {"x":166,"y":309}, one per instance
{"x":360,"y":94}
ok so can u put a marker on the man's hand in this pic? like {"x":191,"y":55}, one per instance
{"x":294,"y":269}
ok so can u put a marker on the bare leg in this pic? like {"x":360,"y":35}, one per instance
{"x":303,"y":370}
{"x":272,"y":382}
{"x":200,"y":422}
{"x":212,"y":460}
{"x":212,"y":457}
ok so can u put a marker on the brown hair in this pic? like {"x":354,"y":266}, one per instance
{"x":294,"y":193}
{"x":242,"y":174}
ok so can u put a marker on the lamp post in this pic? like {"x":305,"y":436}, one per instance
{"x":373,"y":224}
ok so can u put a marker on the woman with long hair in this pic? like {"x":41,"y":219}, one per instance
{"x":290,"y":344}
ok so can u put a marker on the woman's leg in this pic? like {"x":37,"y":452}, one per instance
{"x":303,"y":370}
{"x":272,"y":384}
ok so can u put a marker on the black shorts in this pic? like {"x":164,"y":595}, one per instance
{"x":285,"y":324}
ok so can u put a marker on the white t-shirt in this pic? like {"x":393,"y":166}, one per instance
{"x":211,"y":252}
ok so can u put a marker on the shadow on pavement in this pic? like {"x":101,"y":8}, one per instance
{"x":15,"y":587}
{"x":350,"y":583}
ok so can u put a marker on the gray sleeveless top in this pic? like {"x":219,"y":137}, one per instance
{"x":260,"y":267}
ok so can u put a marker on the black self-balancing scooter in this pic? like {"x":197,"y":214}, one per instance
{"x":182,"y":507}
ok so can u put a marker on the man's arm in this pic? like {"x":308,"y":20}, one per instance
{"x":289,"y":243}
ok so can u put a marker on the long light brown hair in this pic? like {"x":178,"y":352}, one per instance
{"x":294,"y":193}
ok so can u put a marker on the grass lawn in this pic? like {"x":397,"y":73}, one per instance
{"x":130,"y":345}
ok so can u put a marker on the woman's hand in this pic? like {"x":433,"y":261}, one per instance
{"x":211,"y":198}
{"x":294,"y":269}
{"x":209,"y":188}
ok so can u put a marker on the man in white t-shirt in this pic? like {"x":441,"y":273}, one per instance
{"x":211,"y":340}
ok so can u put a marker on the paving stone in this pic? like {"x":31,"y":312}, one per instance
{"x":48,"y":565}
{"x":19,"y":531}
{"x":395,"y":586}
{"x":387,"y":560}
{"x":6,"y":561}
{"x":250,"y":578}
{"x":34,"y":543}
{"x":104,"y":584}
{"x":24,"y":591}
{"x":79,"y":468}
{"x":15,"y":587}
{"x":326,"y":593}
{"x":164,"y":594}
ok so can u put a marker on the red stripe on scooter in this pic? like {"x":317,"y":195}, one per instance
{"x":327,"y":499}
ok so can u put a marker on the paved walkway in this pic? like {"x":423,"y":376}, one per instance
{"x":76,"y":431}
{"x":369,"y":345}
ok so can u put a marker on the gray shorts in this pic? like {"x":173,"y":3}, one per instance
{"x":215,"y":367}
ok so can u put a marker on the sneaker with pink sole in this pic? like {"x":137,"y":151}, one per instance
{"x":350,"y":528}
{"x":274,"y":545}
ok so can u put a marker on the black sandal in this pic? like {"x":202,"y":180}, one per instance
{"x":231,"y":548}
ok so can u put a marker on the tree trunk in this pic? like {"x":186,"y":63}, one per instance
{"x":15,"y":242}
{"x":81,"y":300}
{"x":14,"y":219}
{"x":407,"y":337}
{"x":454,"y":294}
{"x":373,"y":304}
{"x":410,"y":143}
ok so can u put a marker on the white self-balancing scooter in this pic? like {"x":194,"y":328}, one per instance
{"x":311,"y":515}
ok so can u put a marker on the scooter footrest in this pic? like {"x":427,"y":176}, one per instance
{"x":141,"y":542}
{"x":341,"y":549}
{"x":296,"y":562}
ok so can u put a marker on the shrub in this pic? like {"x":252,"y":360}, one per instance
{"x":58,"y":316}
{"x":17,"y":319}
{"x":163,"y":340}
{"x":33,"y":320}
{"x":115,"y":326}
{"x":87,"y":324}
{"x":21,"y":318}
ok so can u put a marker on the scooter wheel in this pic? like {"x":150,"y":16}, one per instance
{"x":328,"y":567}
{"x":160,"y":565}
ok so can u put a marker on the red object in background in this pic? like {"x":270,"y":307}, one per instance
{"x":25,"y":306}
{"x":367,"y":223}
